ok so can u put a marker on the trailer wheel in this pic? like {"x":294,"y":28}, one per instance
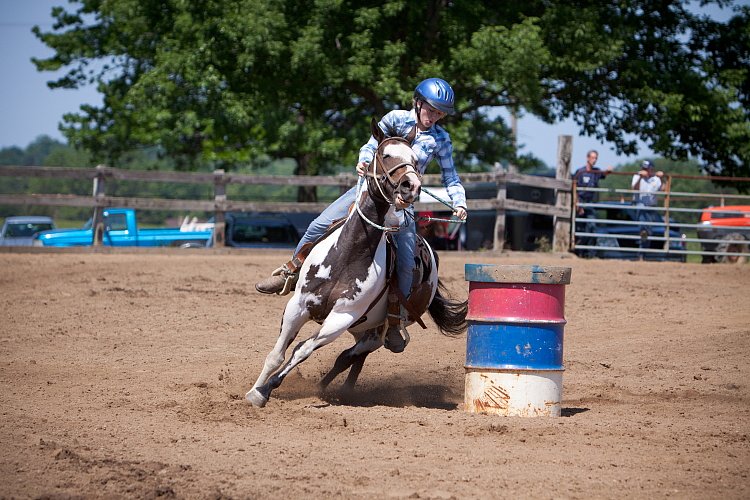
{"x":725,"y":246}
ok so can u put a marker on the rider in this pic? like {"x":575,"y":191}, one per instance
{"x":433,"y":99}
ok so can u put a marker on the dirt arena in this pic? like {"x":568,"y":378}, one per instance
{"x":123,"y":375}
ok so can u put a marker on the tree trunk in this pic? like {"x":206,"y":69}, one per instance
{"x":305,"y":193}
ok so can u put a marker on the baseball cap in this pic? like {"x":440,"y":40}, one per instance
{"x":647,"y":164}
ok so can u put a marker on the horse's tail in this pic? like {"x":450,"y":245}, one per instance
{"x":448,"y":314}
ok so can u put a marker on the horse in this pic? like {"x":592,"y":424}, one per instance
{"x":343,"y":281}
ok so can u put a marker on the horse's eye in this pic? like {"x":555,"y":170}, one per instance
{"x":387,"y":156}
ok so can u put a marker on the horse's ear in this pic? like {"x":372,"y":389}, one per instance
{"x":376,"y":132}
{"x":411,"y":135}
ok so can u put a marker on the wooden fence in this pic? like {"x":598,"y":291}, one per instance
{"x":220,"y":204}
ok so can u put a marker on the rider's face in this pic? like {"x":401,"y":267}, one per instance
{"x":429,"y":116}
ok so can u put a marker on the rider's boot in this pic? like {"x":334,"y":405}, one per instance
{"x":394,"y":340}
{"x":283,"y":279}
{"x":281,"y":282}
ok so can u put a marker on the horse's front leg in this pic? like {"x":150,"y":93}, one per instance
{"x":291,"y":323}
{"x":334,"y":325}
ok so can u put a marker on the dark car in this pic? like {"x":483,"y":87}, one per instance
{"x":259,"y":230}
{"x":523,"y":231}
{"x":622,"y":241}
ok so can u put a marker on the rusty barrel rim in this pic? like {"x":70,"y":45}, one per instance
{"x":540,"y":275}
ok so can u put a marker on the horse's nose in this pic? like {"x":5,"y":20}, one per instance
{"x":410,"y":189}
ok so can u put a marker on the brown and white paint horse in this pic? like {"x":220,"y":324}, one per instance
{"x":342,"y":281}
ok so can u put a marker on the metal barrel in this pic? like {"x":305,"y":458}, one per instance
{"x":514,"y":346}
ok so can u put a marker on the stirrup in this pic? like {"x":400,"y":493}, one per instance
{"x":290,"y":279}
{"x":403,"y":318}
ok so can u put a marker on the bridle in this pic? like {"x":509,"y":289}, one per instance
{"x":386,"y":177}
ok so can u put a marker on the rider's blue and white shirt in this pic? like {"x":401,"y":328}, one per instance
{"x":434,"y":143}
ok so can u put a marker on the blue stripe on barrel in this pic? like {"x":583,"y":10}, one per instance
{"x":515,"y":346}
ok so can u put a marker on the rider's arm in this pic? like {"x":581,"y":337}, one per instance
{"x":449,"y":176}
{"x":367,"y":152}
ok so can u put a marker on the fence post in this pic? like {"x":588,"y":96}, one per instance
{"x":97,"y":221}
{"x":573,"y":214}
{"x":344,"y":186}
{"x":502,"y":190}
{"x":220,"y":199}
{"x":667,"y":230}
{"x":561,"y":237}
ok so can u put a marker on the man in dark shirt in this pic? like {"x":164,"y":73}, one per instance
{"x":588,"y":176}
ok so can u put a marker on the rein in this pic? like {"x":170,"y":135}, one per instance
{"x":387,"y":229}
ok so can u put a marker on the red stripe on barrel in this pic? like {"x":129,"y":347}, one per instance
{"x":515,"y":301}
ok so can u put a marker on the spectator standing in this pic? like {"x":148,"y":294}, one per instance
{"x":647,"y":182}
{"x":588,"y":176}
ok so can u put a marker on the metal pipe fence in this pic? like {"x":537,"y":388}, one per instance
{"x":628,"y":230}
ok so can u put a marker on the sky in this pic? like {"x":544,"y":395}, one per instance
{"x":29,"y":108}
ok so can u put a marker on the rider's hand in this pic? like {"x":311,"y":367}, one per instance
{"x":362,"y":168}
{"x":461,"y":213}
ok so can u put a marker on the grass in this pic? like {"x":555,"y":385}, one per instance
{"x":693,"y":246}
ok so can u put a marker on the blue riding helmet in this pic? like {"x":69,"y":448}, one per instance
{"x":437,"y":93}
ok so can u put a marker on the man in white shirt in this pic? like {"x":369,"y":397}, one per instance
{"x":646,"y":182}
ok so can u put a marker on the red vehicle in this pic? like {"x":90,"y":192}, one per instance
{"x":731,"y":225}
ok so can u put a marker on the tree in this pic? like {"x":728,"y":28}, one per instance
{"x":225,"y":81}
{"x":677,"y":80}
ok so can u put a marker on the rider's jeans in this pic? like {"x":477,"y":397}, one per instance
{"x":405,"y":239}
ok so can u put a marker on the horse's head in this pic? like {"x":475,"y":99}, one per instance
{"x":395,"y":166}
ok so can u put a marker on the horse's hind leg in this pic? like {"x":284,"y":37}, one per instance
{"x":291,"y":323}
{"x":343,"y":362}
{"x":357,"y":364}
{"x":353,"y":357}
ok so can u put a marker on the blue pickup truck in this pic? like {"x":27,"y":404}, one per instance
{"x":121,"y":230}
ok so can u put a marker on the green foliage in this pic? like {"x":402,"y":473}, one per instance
{"x":223,"y":83}
{"x":49,"y":152}
{"x":676,"y":80}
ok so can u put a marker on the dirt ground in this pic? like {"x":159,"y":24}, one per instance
{"x":122,"y":374}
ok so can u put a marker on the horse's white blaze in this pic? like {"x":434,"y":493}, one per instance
{"x":400,"y":150}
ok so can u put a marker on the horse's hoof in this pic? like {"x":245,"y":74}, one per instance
{"x":256,"y":398}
